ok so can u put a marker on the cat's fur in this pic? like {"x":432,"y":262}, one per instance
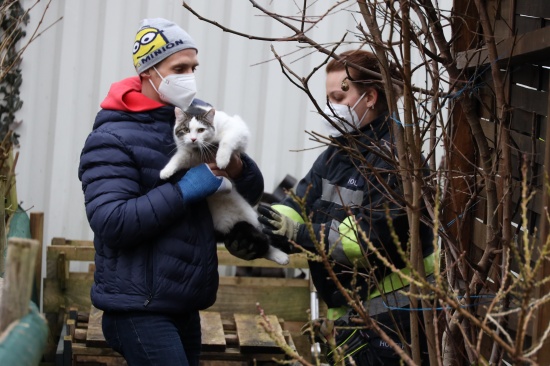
{"x":198,"y":132}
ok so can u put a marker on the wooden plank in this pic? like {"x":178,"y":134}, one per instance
{"x":252,"y":336}
{"x":72,"y":253}
{"x":223,"y":363}
{"x":533,"y":148}
{"x":94,"y":337}
{"x":87,"y":360}
{"x":506,"y":17}
{"x":488,"y":101}
{"x":81,"y":250}
{"x":68,"y":253}
{"x":523,"y":143}
{"x":18,"y":280}
{"x":82,"y":349}
{"x":213,"y":337}
{"x":532,"y":75}
{"x":37,"y":233}
{"x":217,"y":335}
{"x":67,"y":350}
{"x":286,"y":297}
{"x":534,"y":177}
{"x":60,"y":351}
{"x":227,"y":259}
{"x":528,"y":99}
{"x":501,"y":29}
{"x":529,"y":123}
{"x":80,"y":335}
{"x":529,"y":47}
{"x":479,"y":234}
{"x":72,"y":242}
{"x":534,"y":8}
{"x":524,"y":24}
{"x":535,"y":205}
{"x":490,"y":131}
{"x":234,"y":355}
{"x":70,"y":324}
{"x":76,"y":293}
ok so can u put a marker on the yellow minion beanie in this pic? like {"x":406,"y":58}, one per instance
{"x":157,"y":39}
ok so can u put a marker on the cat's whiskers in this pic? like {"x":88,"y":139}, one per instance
{"x":174,"y":149}
{"x":207,"y":151}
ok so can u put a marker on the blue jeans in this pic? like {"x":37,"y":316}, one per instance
{"x":144,"y":338}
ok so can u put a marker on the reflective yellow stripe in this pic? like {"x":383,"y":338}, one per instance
{"x":335,"y":313}
{"x":348,"y":237}
{"x":288,"y":212}
{"x":393,"y":282}
{"x":390,"y":283}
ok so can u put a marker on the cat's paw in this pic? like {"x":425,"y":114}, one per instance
{"x":278,"y":256}
{"x":222,"y":160}
{"x":226,"y":186}
{"x":166,"y":173}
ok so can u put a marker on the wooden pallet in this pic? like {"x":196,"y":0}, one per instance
{"x":241,"y":340}
{"x":287,"y":298}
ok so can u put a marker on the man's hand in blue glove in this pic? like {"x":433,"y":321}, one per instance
{"x":199,"y":182}
{"x":280,"y":228}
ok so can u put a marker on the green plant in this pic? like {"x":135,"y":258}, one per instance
{"x":13,"y":21}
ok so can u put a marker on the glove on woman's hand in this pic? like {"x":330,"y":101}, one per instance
{"x":277,"y":224}
{"x":280,"y":228}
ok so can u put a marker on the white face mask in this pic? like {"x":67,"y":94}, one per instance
{"x":342,"y":111}
{"x":176,"y":89}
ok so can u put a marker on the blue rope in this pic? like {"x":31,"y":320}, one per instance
{"x":461,"y":215}
{"x":396,"y":120}
{"x":441,"y":308}
{"x":470,"y":84}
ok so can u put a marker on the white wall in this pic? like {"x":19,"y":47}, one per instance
{"x":67,"y":72}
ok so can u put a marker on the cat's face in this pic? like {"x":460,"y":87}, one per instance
{"x":194,"y":129}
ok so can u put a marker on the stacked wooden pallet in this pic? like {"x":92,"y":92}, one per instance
{"x":242,"y":340}
{"x":233,"y":318}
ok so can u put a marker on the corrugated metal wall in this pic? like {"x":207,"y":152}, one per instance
{"x":68,"y":70}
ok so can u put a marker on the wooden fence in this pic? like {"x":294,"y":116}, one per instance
{"x":522,"y":36}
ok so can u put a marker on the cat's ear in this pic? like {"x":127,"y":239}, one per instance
{"x":209,"y":116}
{"x":179,"y":113}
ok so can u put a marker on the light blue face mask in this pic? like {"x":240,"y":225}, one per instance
{"x":344,"y":117}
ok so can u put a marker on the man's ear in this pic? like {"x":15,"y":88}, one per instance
{"x":145,"y":74}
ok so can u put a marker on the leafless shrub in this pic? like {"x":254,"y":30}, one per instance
{"x":477,"y":310}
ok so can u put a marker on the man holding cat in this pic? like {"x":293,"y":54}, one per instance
{"x":156,"y":262}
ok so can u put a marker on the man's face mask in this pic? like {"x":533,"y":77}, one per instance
{"x":176,"y":89}
{"x":343,"y":112}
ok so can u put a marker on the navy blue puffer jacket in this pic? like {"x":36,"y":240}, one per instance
{"x":153,"y":253}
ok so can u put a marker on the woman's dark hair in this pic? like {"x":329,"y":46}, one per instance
{"x":361,"y":79}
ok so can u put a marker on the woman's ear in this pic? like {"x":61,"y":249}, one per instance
{"x":372,"y":97}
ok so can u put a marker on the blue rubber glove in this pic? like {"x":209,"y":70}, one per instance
{"x":199,"y":182}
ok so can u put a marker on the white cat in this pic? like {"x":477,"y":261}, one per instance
{"x":202,"y":134}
